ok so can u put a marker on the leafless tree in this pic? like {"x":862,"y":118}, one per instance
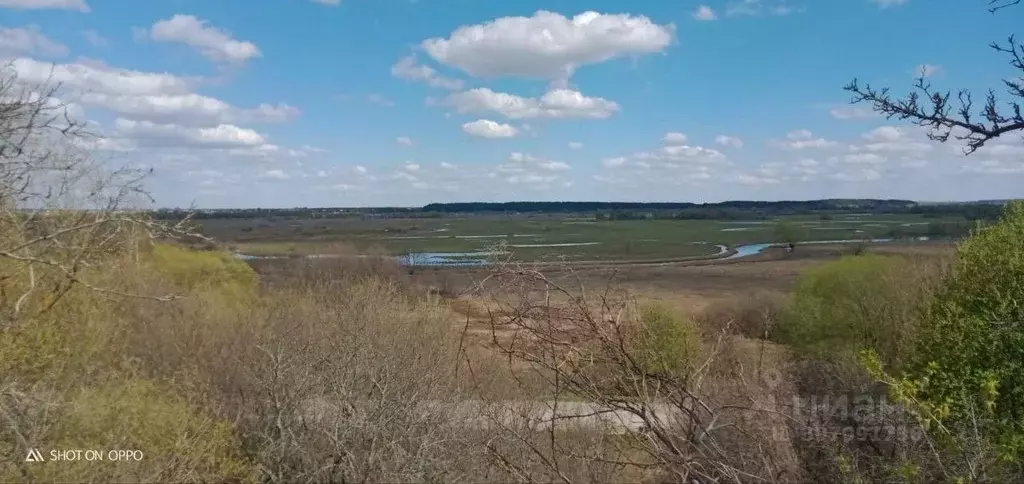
{"x":934,"y":109}
{"x":61,"y":210}
{"x":64,"y":216}
{"x":679,"y":413}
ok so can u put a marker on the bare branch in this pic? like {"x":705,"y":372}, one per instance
{"x":932,"y":109}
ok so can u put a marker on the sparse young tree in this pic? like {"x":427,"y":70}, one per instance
{"x":789,"y":233}
{"x":960,"y":119}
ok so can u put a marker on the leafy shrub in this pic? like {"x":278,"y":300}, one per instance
{"x":868,"y":301}
{"x":666,"y":342}
{"x":969,"y":364}
{"x":179,"y":442}
{"x":789,"y":232}
{"x":196,"y":271}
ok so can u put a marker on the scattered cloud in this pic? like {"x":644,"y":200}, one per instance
{"x":485,"y":128}
{"x":79,"y":5}
{"x":705,"y":13}
{"x":852,"y":112}
{"x":559,"y":103}
{"x":995,"y":167}
{"x":865,"y":158}
{"x":575,"y":145}
{"x":379,"y":100}
{"x":29,"y":40}
{"x":547,"y":45}
{"x":673,"y":155}
{"x":404,"y":141}
{"x":864,"y":175}
{"x":759,"y":7}
{"x":674,"y":139}
{"x":213,"y":43}
{"x":274,"y":175}
{"x":755,"y":179}
{"x":94,"y":38}
{"x":330,"y":3}
{"x":408,"y":68}
{"x":523,"y":163}
{"x":729,"y":141}
{"x":85,"y":77}
{"x":883,"y":4}
{"x":270,"y":113}
{"x":187,"y":109}
{"x":926,"y":70}
{"x":145,"y":133}
{"x":802,"y":139}
{"x":615,"y":162}
{"x":894,"y":139}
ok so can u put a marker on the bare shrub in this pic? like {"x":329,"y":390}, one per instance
{"x":352,"y":381}
{"x":632,"y":371}
{"x":753,"y":315}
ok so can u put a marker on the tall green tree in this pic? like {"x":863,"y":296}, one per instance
{"x":966,"y":376}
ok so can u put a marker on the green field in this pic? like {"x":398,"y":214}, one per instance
{"x":557,"y":237}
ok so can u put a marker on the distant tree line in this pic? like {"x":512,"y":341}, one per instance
{"x":285,"y":213}
{"x":731,"y":210}
{"x":698,"y":210}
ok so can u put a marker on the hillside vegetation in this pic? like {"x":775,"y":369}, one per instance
{"x":115,"y":333}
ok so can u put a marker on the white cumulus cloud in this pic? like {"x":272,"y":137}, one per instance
{"x":101,"y":79}
{"x":29,"y":40}
{"x":558,"y":103}
{"x":213,"y":43}
{"x":547,"y":45}
{"x":803,"y":139}
{"x":408,"y":68}
{"x":485,"y":128}
{"x":730,"y":141}
{"x":145,"y":133}
{"x":704,"y":12}
{"x":674,"y":139}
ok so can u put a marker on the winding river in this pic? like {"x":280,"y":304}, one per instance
{"x":482,"y":258}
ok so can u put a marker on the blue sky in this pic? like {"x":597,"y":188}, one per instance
{"x":282,"y":103}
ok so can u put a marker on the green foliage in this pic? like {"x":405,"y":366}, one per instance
{"x":789,"y":232}
{"x":970,"y":363}
{"x":68,"y":372}
{"x":196,"y":271}
{"x":855,"y":303}
{"x":666,"y":343}
{"x":179,"y":442}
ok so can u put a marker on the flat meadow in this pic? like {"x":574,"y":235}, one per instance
{"x":533,"y":238}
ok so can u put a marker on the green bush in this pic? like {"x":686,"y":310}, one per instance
{"x":969,"y":366}
{"x":856,"y":303}
{"x":789,"y":232}
{"x":196,"y":271}
{"x":179,"y":442}
{"x":666,"y":342}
